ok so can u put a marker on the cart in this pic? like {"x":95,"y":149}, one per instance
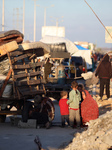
{"x":24,"y":76}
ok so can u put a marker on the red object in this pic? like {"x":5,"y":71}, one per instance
{"x":66,"y":75}
{"x":64,"y":110}
{"x":89,"y":108}
{"x":83,"y":69}
{"x":74,"y":109}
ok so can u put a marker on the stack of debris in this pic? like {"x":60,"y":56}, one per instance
{"x":4,"y":66}
{"x":19,"y":61}
{"x":98,"y":136}
{"x":11,"y":35}
{"x":9,"y":41}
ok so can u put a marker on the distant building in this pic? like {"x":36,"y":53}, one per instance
{"x":85,"y":44}
{"x":53,"y":31}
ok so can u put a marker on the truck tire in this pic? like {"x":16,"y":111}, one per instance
{"x":50,"y":103}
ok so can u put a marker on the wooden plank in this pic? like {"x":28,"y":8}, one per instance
{"x":21,"y":57}
{"x":18,"y":112}
{"x":37,"y":64}
{"x":26,"y":70}
{"x":20,"y":51}
{"x":21,"y":83}
{"x":31,"y":82}
{"x":34,"y":82}
{"x":5,"y":83}
{"x":33,"y":56}
{"x":26,"y":93}
{"x":33,"y":61}
{"x":35,"y":73}
{"x":53,"y":91}
{"x":16,"y":53}
{"x":27,"y":66}
{"x":22,"y":75}
{"x":11,"y":46}
{"x":21,"y":66}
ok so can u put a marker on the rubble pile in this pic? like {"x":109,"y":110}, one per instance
{"x":4,"y":66}
{"x":98,"y":136}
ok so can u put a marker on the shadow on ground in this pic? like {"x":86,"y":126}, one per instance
{"x":104,"y":109}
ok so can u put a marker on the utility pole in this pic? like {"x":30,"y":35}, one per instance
{"x":45,"y":12}
{"x":17,"y":21}
{"x":34,"y":20}
{"x":44,"y":16}
{"x":57,"y":22}
{"x":13,"y":18}
{"x":2,"y":15}
{"x":23,"y":15}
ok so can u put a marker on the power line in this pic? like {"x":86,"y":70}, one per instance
{"x":98,"y":19}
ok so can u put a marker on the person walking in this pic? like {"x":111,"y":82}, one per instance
{"x":74,"y":99}
{"x":64,"y":108}
{"x":104,"y":72}
{"x":93,"y":62}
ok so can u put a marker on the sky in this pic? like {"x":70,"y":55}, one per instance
{"x":79,"y":21}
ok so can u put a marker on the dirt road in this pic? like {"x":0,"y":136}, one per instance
{"x":14,"y":138}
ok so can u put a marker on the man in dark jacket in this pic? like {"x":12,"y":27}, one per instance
{"x":47,"y":69}
{"x":104,"y":72}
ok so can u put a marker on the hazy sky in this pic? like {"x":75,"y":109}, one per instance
{"x":75,"y":15}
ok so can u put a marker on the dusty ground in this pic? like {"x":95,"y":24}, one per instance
{"x":14,"y":138}
{"x":104,"y":105}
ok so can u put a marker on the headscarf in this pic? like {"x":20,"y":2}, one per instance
{"x":89,"y":108}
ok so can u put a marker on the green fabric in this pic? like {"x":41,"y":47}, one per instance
{"x":74,"y":99}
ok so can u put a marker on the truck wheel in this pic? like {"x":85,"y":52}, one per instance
{"x":2,"y":118}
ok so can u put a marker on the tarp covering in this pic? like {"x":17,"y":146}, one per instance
{"x":70,"y":46}
{"x":84,"y":53}
{"x":81,"y":48}
{"x":41,"y":48}
{"x":59,"y":54}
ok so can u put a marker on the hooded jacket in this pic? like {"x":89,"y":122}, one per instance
{"x":104,"y":70}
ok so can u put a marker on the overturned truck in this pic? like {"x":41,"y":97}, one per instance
{"x":20,"y":74}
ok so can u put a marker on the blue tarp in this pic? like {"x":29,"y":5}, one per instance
{"x":84,"y":53}
{"x":81,"y":48}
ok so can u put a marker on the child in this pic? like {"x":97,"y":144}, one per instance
{"x":64,"y":108}
{"x":74,"y":99}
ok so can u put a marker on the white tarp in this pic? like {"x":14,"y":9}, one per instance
{"x":86,"y":54}
{"x":70,"y":46}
